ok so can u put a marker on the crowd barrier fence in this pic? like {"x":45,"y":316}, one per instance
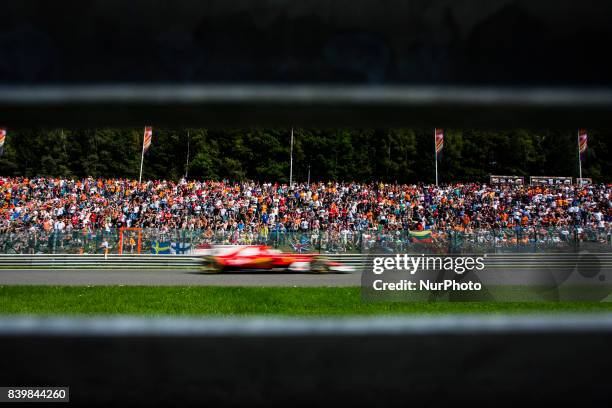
{"x":185,"y":241}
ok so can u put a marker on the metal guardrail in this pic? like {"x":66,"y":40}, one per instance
{"x":98,"y":261}
{"x":122,"y":261}
{"x":522,"y":260}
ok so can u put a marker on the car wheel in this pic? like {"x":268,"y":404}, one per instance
{"x":211,"y":265}
{"x":319,"y":265}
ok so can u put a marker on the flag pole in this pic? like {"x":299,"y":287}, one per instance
{"x":579,"y":160}
{"x":142,"y":155}
{"x":187,"y":164}
{"x":436,"y":154}
{"x":291,"y":161}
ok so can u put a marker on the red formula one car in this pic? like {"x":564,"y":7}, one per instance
{"x":261,"y":257}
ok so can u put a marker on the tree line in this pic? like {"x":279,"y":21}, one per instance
{"x":390,"y":155}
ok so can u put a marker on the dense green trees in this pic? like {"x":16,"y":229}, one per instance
{"x":402,"y":155}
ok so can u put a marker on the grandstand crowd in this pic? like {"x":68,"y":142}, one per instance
{"x":51,"y":204}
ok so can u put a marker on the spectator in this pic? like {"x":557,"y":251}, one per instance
{"x":50,"y":204}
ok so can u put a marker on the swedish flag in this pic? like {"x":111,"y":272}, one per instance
{"x":160,"y":247}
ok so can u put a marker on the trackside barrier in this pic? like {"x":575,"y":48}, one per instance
{"x":98,"y":261}
{"x":182,"y":241}
{"x":519,"y":260}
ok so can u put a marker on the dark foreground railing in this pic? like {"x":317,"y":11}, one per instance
{"x":460,"y":63}
{"x":446,"y":360}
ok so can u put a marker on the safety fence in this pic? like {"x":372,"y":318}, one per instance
{"x":183,"y":241}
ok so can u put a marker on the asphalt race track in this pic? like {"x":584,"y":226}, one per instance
{"x":505,"y":269}
{"x":503,"y":274}
{"x":165,"y":277}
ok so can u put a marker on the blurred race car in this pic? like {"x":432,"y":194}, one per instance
{"x":261,"y":257}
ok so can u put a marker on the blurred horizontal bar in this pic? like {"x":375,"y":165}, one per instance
{"x":315,"y":105}
{"x":414,"y":42}
{"x":278,"y":362}
{"x":278,"y":326}
{"x":337,"y":63}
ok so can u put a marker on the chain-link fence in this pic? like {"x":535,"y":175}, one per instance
{"x":182,"y":241}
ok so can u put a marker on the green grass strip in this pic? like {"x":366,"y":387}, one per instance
{"x":243,"y":301}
